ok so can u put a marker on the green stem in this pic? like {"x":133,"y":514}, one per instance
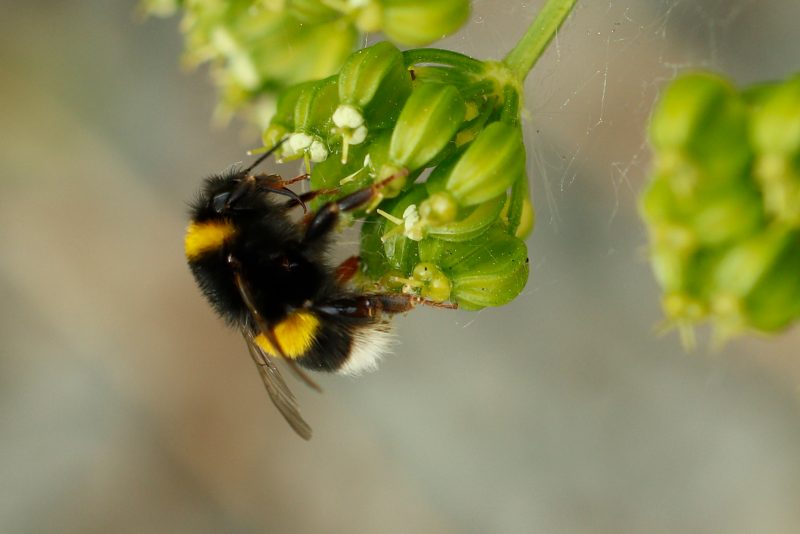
{"x":528,"y":50}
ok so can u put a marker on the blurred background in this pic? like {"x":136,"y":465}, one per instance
{"x":126,"y":406}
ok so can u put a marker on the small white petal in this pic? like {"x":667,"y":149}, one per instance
{"x":358,"y":135}
{"x":412,"y":228}
{"x":347,"y":116}
{"x":318,"y":151}
{"x":299,"y":142}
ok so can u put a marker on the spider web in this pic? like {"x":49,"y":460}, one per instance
{"x":589,"y":98}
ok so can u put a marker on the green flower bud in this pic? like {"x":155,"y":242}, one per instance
{"x":373,"y":86}
{"x":316,"y":52}
{"x":699,"y":133}
{"x":729,"y":216}
{"x":775,"y":134}
{"x":775,"y":302}
{"x":470,"y":225}
{"x":518,"y":211}
{"x":282,"y":122}
{"x":420,"y":22}
{"x":429,"y":120}
{"x":312,"y":111}
{"x":493,"y":275}
{"x":311,"y":11}
{"x":775,"y":126}
{"x":658,"y":203}
{"x":490,"y":165}
{"x":527,"y":220}
{"x":671,"y":269}
{"x":315,"y":105}
{"x":379,"y":166}
{"x":375,"y":82}
{"x":743,"y":266}
{"x":378,"y":155}
{"x":756,"y":284}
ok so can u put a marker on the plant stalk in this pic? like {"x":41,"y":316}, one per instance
{"x":527,"y":51}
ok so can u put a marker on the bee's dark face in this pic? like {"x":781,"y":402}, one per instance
{"x":225,"y":195}
{"x":220,"y":202}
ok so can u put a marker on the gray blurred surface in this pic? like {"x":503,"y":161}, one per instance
{"x":125,"y":405}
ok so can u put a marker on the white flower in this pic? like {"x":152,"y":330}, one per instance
{"x":347,"y":116}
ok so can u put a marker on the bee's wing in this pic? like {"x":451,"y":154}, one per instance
{"x":264,"y":328}
{"x":278,"y":390}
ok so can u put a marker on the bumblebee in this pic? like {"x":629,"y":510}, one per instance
{"x":266,"y":273}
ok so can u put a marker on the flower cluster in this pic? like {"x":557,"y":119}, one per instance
{"x":723,"y":205}
{"x":449,"y":225}
{"x":258,"y":47}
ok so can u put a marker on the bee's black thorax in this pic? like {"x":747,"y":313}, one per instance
{"x":282,"y":272}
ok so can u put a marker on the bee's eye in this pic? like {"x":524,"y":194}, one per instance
{"x":219,"y":202}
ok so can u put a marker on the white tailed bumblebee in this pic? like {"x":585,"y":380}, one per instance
{"x":267,"y":275}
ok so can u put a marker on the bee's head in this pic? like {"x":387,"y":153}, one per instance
{"x":226,"y":195}
{"x":232,"y":193}
{"x":237,"y":191}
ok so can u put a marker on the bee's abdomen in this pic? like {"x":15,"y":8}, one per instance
{"x":348,"y":347}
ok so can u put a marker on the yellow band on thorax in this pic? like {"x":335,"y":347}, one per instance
{"x":207,"y":236}
{"x":295,"y":335}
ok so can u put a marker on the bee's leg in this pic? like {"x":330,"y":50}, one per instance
{"x":347,"y":269}
{"x":325,"y":219}
{"x":378,"y":304}
{"x":275,"y":180}
{"x":309,"y":196}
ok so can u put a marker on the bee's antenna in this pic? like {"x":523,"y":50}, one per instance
{"x":265,"y":155}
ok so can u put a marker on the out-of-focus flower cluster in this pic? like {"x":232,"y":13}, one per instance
{"x":258,"y":47}
{"x":723,"y":205}
{"x":449,"y":225}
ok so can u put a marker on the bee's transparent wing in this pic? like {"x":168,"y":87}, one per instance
{"x":269,"y":334}
{"x":276,"y":388}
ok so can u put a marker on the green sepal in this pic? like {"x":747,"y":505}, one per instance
{"x":699,"y":133}
{"x":375,"y":80}
{"x":494,"y":275}
{"x":775,"y":135}
{"x":311,"y":11}
{"x":490,"y":270}
{"x":420,"y":22}
{"x":430,"y":118}
{"x":490,"y":165}
{"x":520,"y":216}
{"x":282,"y":122}
{"x":757,"y":283}
{"x":472,"y":223}
{"x":315,"y":105}
{"x":316,"y":52}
